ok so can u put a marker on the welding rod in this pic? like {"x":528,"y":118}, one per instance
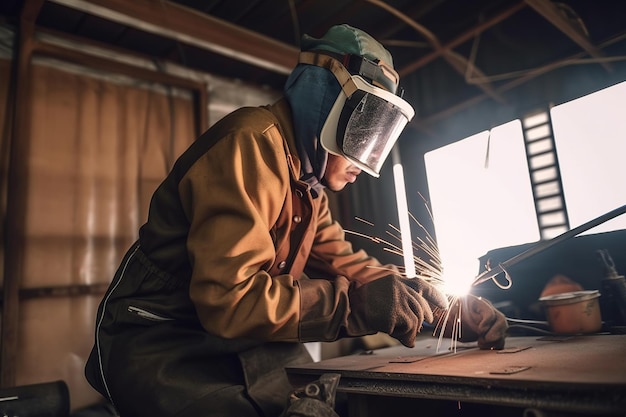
{"x":540,"y":247}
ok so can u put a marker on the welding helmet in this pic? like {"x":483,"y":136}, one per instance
{"x":368,"y":115}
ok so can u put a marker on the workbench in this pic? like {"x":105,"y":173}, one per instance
{"x":532,"y":376}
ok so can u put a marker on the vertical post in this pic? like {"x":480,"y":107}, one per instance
{"x":403,"y":213}
{"x":201,"y":113}
{"x":16,"y":191}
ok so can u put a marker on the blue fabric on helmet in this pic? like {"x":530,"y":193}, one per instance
{"x":311,"y":92}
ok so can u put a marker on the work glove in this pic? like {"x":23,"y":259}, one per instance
{"x":394,"y":305}
{"x":480,"y":322}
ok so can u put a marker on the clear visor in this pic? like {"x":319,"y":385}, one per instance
{"x":365,"y":126}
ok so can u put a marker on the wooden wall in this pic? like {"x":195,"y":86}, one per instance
{"x":86,"y":139}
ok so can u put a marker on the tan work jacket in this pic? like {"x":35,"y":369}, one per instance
{"x":250,"y":229}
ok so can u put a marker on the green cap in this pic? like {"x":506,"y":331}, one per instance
{"x":344,"y":39}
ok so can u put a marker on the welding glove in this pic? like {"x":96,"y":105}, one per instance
{"x":480,"y":322}
{"x":392,"y":304}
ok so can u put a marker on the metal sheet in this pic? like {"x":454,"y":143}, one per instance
{"x":582,"y":373}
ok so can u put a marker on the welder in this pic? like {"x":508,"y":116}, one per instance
{"x":240,"y":260}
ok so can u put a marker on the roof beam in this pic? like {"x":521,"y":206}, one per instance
{"x":461,"y":39}
{"x":551,"y":13}
{"x":192,"y":27}
{"x":422,"y":124}
{"x":458,"y":62}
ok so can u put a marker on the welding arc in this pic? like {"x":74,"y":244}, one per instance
{"x":491,"y":273}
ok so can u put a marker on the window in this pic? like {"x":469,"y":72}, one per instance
{"x":481,"y":189}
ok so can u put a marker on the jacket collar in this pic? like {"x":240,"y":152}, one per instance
{"x":282,"y":111}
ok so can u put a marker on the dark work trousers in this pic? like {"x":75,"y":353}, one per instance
{"x":152,"y":358}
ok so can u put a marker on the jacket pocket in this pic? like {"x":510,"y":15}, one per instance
{"x":134,"y":311}
{"x":147,"y":314}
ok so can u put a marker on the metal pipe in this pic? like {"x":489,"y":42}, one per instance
{"x":540,"y":247}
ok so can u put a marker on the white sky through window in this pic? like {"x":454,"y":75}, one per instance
{"x":590,"y":137}
{"x":479,"y":204}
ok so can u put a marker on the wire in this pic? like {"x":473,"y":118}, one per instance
{"x":535,"y":329}
{"x":537,"y":326}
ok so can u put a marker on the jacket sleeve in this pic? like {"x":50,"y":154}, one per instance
{"x":328,"y":305}
{"x":232,"y":196}
{"x":332,"y":255}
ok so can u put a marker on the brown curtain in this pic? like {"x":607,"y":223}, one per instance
{"x":96,"y":152}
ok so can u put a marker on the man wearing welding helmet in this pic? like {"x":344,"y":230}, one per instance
{"x":240,"y":260}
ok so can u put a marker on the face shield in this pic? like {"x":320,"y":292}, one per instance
{"x":366,"y":120}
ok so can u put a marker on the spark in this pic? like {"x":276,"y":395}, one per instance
{"x":364,"y":221}
{"x":429,"y":267}
{"x":448,"y":323}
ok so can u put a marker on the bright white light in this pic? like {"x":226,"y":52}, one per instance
{"x":591,"y":147}
{"x":477,"y":208}
{"x":403,"y":218}
{"x":478,"y":205}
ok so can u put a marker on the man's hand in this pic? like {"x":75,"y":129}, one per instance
{"x":394,"y":305}
{"x":480,"y":321}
